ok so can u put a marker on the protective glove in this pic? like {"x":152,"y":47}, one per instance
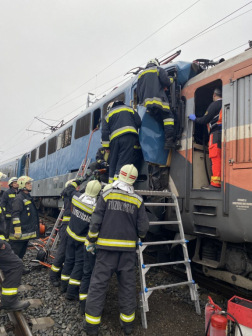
{"x":192,"y":117}
{"x":104,"y":164}
{"x":18,"y":232}
{"x":91,"y":247}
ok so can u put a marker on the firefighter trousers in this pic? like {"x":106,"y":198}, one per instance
{"x":88,"y":266}
{"x":121,"y":153}
{"x":19,"y":247}
{"x":12,"y":268}
{"x":7,"y":229}
{"x":61,"y":252}
{"x":107,"y":263}
{"x":215,"y":157}
{"x":72,"y":271}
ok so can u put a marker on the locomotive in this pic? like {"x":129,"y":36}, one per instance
{"x":216,"y":222}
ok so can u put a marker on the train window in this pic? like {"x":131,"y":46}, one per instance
{"x":59,"y":140}
{"x":66,"y":137}
{"x":33,"y":155}
{"x":121,"y":96}
{"x":96,"y":118}
{"x":42,"y":150}
{"x":52,"y":145}
{"x":82,"y":126}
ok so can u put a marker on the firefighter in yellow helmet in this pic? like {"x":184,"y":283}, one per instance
{"x":117,"y":221}
{"x":82,"y":209}
{"x":25,"y":219}
{"x":12,"y":268}
{"x":7,"y":201}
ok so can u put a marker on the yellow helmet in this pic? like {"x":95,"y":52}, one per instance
{"x":2,"y":176}
{"x":128,"y":174}
{"x":107,"y":187}
{"x":13,"y":179}
{"x":22,"y":181}
{"x":68,"y":182}
{"x":93,"y":188}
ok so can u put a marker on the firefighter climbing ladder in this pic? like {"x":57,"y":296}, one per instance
{"x":143,"y":268}
{"x":81,"y":173}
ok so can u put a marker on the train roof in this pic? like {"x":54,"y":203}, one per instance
{"x":11,"y":160}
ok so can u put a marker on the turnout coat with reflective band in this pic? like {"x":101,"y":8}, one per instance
{"x":80,"y":219}
{"x":102,"y":156}
{"x":120,"y":120}
{"x":118,"y":220}
{"x":67,"y":195}
{"x":7,"y":200}
{"x":24,"y":214}
{"x":150,"y":88}
{"x":212,"y":117}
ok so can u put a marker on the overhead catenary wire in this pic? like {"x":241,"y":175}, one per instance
{"x":242,"y":45}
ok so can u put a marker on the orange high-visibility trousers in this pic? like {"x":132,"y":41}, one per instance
{"x":215,"y":157}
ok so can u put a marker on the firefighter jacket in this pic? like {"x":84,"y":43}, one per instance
{"x":80,"y":219}
{"x":150,"y":88}
{"x":7,"y":200}
{"x":102,"y":156}
{"x":212,"y":117}
{"x":118,"y":121}
{"x":25,"y":214}
{"x":67,"y":195}
{"x":118,"y":220}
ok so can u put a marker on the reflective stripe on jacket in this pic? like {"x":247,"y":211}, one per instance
{"x":7,"y":201}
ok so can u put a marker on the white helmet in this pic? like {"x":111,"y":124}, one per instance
{"x":22,"y":182}
{"x":154,"y":61}
{"x":13,"y":179}
{"x":128,"y":174}
{"x":2,"y":176}
{"x":68,"y":182}
{"x":93,"y":188}
{"x":107,"y":187}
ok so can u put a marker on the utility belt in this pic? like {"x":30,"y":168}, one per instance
{"x":214,"y":128}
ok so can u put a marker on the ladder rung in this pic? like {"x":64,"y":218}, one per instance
{"x":167,"y":263}
{"x":169,"y":286}
{"x":160,"y":204}
{"x":181,"y":241}
{"x":154,"y":193}
{"x":164,"y":222}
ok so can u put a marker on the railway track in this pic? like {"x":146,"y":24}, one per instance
{"x":21,"y":326}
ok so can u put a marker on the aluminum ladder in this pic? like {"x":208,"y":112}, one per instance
{"x":81,"y":172}
{"x":144,"y":268}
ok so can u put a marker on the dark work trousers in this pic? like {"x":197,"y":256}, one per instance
{"x":19,"y":247}
{"x":121,"y":153}
{"x":12,"y":268}
{"x":108,"y":262}
{"x":61,"y":253}
{"x":96,"y":165}
{"x":72,"y":271}
{"x":8,"y":224}
{"x":166,"y":118}
{"x":88,"y":266}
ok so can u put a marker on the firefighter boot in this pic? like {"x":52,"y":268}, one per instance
{"x":55,"y":282}
{"x":127,"y":329}
{"x":16,"y":306}
{"x":72,"y":297}
{"x":169,"y":144}
{"x":94,"y":332}
{"x":83,"y":306}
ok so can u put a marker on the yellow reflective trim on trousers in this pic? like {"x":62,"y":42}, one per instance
{"x":55,"y":269}
{"x":24,"y":236}
{"x":82,"y":206}
{"x":27,"y":202}
{"x":168,"y":123}
{"x":127,"y":318}
{"x":65,"y":277}
{"x":66,"y":218}
{"x":105,"y":143}
{"x":8,"y":215}
{"x":9,"y":291}
{"x":110,"y":180}
{"x":93,"y":319}
{"x":12,"y":195}
{"x":124,"y":198}
{"x":4,"y":209}
{"x":116,"y":243}
{"x":118,"y":111}
{"x":137,"y":147}
{"x":115,"y":134}
{"x":93,"y":235}
{"x":74,"y":282}
{"x":215,"y":178}
{"x":2,"y":237}
{"x":148,"y":71}
{"x":150,"y":102}
{"x":74,"y":236}
{"x":16,"y":222}
{"x":82,"y":297}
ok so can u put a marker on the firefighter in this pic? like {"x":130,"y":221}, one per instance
{"x":2,"y":223}
{"x":213,"y":119}
{"x":12,"y":268}
{"x":102,"y":162}
{"x":119,"y":133}
{"x":7,"y":201}
{"x":151,"y":87}
{"x":118,"y":220}
{"x":71,"y":188}
{"x":82,"y":208}
{"x":25,"y":219}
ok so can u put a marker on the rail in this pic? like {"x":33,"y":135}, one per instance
{"x":21,"y":326}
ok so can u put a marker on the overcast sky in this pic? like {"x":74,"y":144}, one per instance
{"x":50,"y":48}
